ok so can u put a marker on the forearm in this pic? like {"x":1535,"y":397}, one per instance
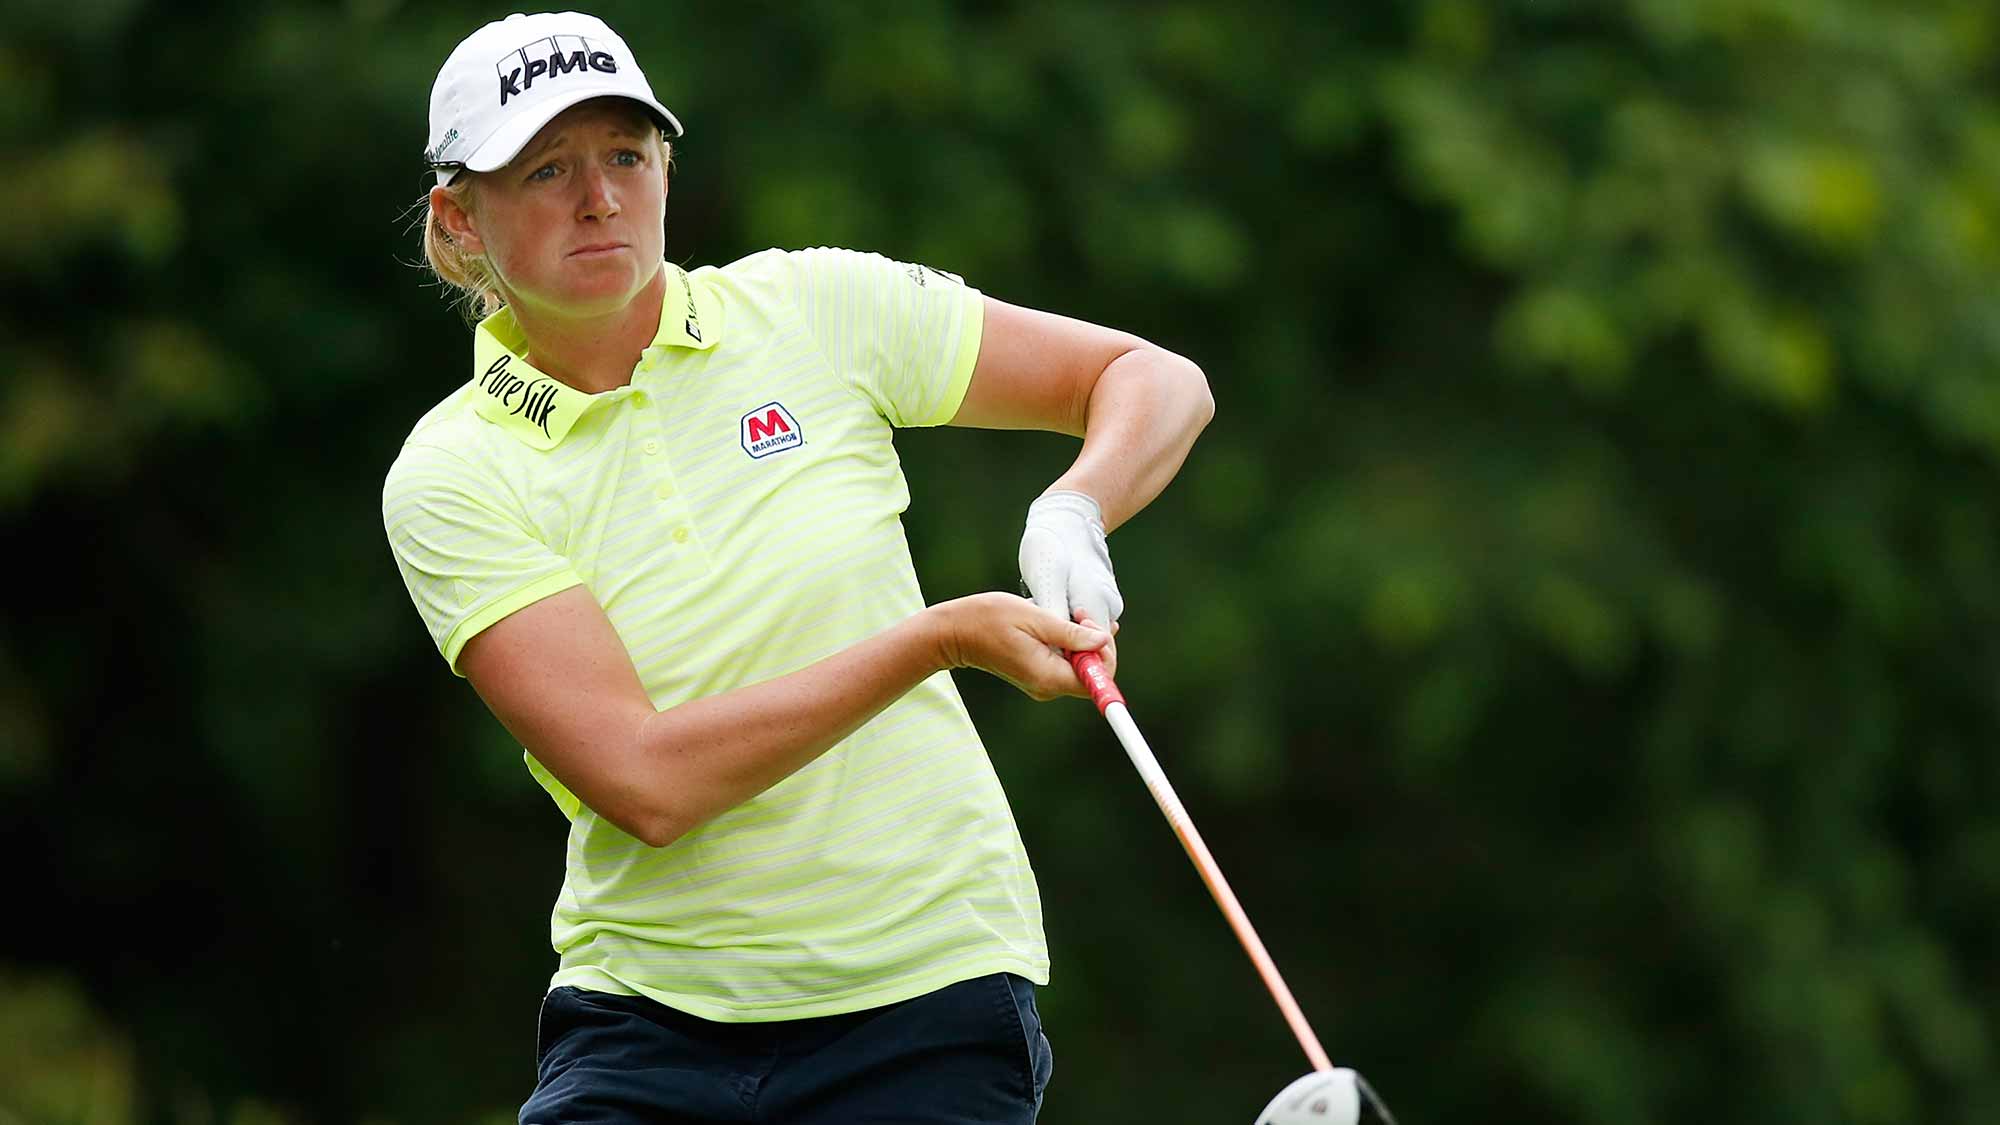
{"x":709,"y":755}
{"x":1145,"y":411}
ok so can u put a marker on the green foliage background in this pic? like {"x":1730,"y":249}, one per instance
{"x":1578,"y":635}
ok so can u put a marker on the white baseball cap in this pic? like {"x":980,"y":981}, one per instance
{"x":509,"y":78}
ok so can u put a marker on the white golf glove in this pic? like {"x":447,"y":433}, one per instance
{"x":1065,"y":562}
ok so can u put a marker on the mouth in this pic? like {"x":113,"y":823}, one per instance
{"x":597,"y":249}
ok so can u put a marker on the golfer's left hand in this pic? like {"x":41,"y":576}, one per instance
{"x":1065,"y":562}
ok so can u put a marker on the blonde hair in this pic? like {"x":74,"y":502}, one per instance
{"x":469,"y":278}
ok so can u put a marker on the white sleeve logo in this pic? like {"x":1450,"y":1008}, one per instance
{"x":918,"y":274}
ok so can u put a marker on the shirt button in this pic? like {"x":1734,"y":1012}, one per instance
{"x":639,"y":398}
{"x":651,"y":447}
{"x":663,"y":490}
{"x":680,"y":535}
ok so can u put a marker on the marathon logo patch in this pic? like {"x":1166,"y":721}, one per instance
{"x":770,"y":429}
{"x":550,"y":58}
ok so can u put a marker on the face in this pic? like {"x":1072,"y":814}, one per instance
{"x":575,"y":225}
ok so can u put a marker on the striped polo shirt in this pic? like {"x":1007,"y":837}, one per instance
{"x":736,"y":510}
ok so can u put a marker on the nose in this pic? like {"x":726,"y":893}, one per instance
{"x":597,"y":200}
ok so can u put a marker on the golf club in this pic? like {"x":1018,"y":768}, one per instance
{"x":1329,"y":1095}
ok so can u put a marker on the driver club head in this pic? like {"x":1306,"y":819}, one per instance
{"x":1327,"y":1097}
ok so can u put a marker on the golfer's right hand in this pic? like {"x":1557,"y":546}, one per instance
{"x":1014,"y":639}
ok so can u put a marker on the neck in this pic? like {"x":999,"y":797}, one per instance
{"x":593,"y":353}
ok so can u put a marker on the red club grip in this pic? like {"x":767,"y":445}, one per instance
{"x":1090,"y":667}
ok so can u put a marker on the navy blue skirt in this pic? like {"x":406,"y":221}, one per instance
{"x":970,"y":1052}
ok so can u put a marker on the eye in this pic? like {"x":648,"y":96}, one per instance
{"x":626,"y":158}
{"x":543,"y":174}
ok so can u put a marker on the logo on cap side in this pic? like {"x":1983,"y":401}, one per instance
{"x":436,"y":155}
{"x":551,"y":58}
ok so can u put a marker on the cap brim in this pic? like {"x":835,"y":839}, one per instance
{"x":507,"y":141}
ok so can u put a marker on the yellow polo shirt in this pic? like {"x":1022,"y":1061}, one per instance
{"x":736,"y":511}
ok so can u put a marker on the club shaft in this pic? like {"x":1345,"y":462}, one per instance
{"x":1155,"y":778}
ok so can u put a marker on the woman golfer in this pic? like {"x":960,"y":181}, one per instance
{"x":658,"y":529}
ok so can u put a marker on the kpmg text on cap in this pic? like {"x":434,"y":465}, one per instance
{"x":519,"y":68}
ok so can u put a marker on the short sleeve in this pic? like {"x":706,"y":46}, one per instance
{"x":906,"y":336}
{"x":465,"y":558}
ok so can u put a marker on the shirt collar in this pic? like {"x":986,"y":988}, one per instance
{"x":690,"y":314}
{"x":539,"y":409}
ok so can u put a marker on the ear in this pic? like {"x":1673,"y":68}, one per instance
{"x":457,"y":221}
